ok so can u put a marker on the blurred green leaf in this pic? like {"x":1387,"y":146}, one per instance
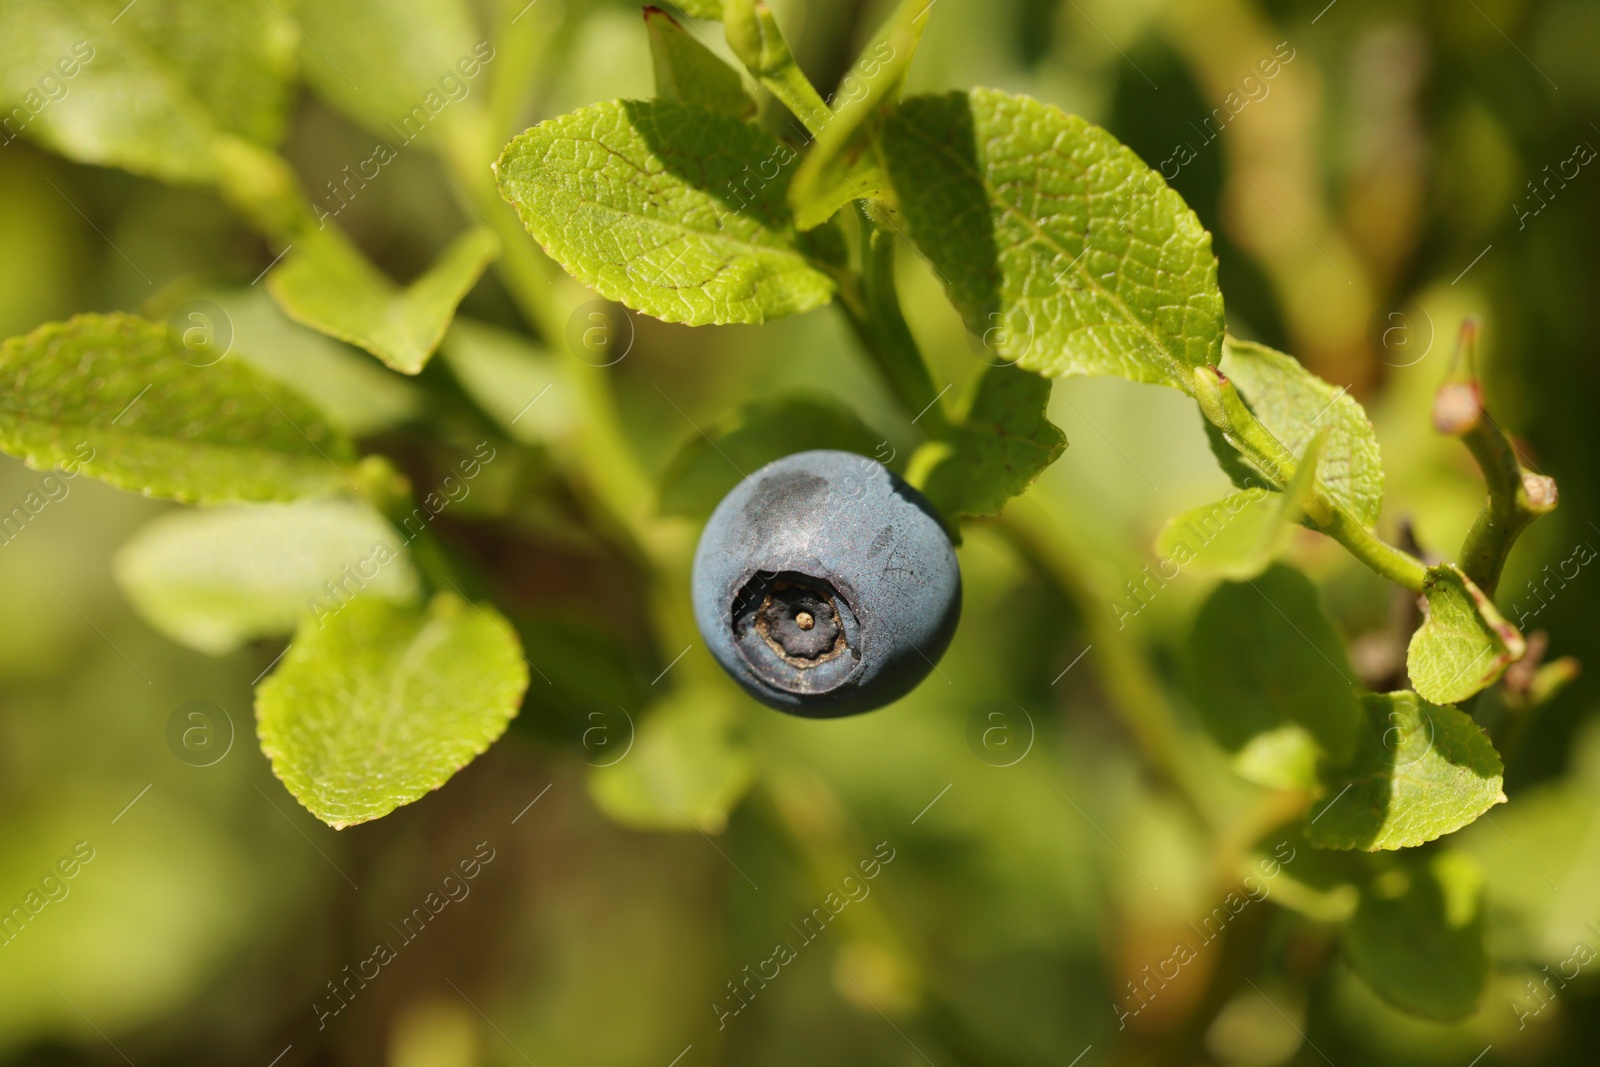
{"x":688,"y":72}
{"x":1269,"y":676}
{"x":398,"y":67}
{"x":1420,"y":771}
{"x":748,"y":438}
{"x":1321,"y":884}
{"x":684,"y":771}
{"x":519,"y":384}
{"x":843,"y":163}
{"x":674,"y":211}
{"x":329,"y":285}
{"x":215,"y":579}
{"x":237,"y":57}
{"x":1541,"y":856}
{"x":701,"y":9}
{"x":1240,"y":535}
{"x":1417,"y":937}
{"x":996,"y":452}
{"x":1296,"y":405}
{"x":1464,"y":645}
{"x":377,"y":704}
{"x":109,"y":395}
{"x":1045,"y":225}
{"x":358,"y":396}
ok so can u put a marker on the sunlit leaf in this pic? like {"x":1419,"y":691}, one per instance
{"x":1420,"y":771}
{"x":118,"y":398}
{"x":1464,"y":645}
{"x":1296,"y":405}
{"x":214,"y":579}
{"x":377,"y":704}
{"x":328,"y":285}
{"x":1041,"y":223}
{"x":675,"y":211}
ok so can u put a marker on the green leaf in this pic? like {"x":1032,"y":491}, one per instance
{"x":999,"y":449}
{"x":377,"y":704}
{"x":401,"y":68}
{"x":674,"y":211}
{"x":236,"y":57}
{"x":1464,"y":645}
{"x":1417,"y":937}
{"x":684,"y":771}
{"x":125,"y":106}
{"x":750,"y":437}
{"x":328,"y":285}
{"x":1045,"y":225}
{"x":1269,"y":677}
{"x":109,"y":395}
{"x":358,"y":396}
{"x":690,"y":73}
{"x":1240,"y":535}
{"x":1420,"y":771}
{"x":214,"y":579}
{"x":520,"y":385}
{"x":844,"y":163}
{"x":1296,"y":405}
{"x":149,"y":88}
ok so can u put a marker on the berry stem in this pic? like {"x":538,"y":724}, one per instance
{"x":872,"y":303}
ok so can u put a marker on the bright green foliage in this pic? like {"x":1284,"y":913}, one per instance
{"x":843,"y":164}
{"x":690,"y":73}
{"x":1417,"y":936}
{"x":675,"y":211}
{"x":1296,"y":405}
{"x":517,"y":383}
{"x":1269,"y":676}
{"x":328,"y":285}
{"x":996,"y":452}
{"x":215,"y":579}
{"x":236,"y":57}
{"x":750,"y":437}
{"x":1464,"y":645}
{"x":398,"y":67}
{"x":127,"y":106}
{"x":108,"y":395}
{"x":376,"y":704}
{"x":1240,"y":535}
{"x":1044,"y":224}
{"x":358,"y":396}
{"x":684,"y":772}
{"x":1420,"y":771}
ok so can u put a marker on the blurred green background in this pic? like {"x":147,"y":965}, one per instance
{"x":1369,"y":195}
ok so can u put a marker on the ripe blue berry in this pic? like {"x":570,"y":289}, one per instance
{"x":825,"y":585}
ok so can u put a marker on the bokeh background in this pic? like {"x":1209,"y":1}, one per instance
{"x":1376,"y":190}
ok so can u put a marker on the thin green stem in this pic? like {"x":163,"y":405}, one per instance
{"x":755,"y":38}
{"x":872,"y":304}
{"x":1516,"y":496}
